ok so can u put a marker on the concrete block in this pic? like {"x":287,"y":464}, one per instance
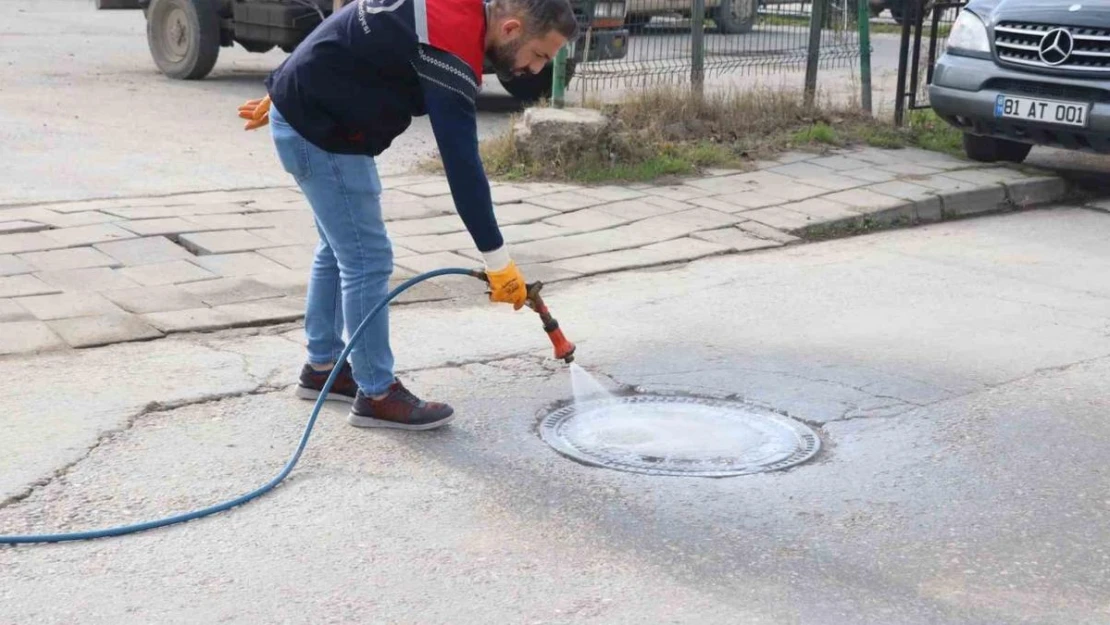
{"x":839,"y":162}
{"x":230,"y":291}
{"x":937,"y":160}
{"x":834,"y":182}
{"x":288,"y":236}
{"x":145,"y":251}
{"x":161,"y":274}
{"x":66,"y":305}
{"x":242,"y":264}
{"x":191,"y":320}
{"x":153,"y":299}
{"x":699,"y":219}
{"x":794,"y":157}
{"x":738,"y":202}
{"x":437,"y":242}
{"x":15,"y":227}
{"x":445,"y":224}
{"x":506,"y":193}
{"x":27,"y":242}
{"x":231,"y":221}
{"x":566,"y":201}
{"x":903,"y":190}
{"x":678,"y":250}
{"x":102,"y":330}
{"x":866,"y":201}
{"x":823,"y":210}
{"x":297,"y":257}
{"x":225,"y":242}
{"x":25,"y":285}
{"x":644,"y":208}
{"x":543,"y":133}
{"x":70,"y":258}
{"x":27,"y":337}
{"x":679,"y":193}
{"x":801,"y":170}
{"x":277,"y":310}
{"x":547,"y":273}
{"x":611,"y":193}
{"x":428,"y":189}
{"x":910,"y":169}
{"x":586,"y":220}
{"x":73,"y":220}
{"x":88,"y":235}
{"x":974,"y":201}
{"x":287,"y":219}
{"x":167,"y":226}
{"x":944,"y":183}
{"x":87,"y":280}
{"x":11,"y":265}
{"x":928,"y":210}
{"x":871,"y":174}
{"x":510,"y":214}
{"x":523,"y":233}
{"x":735,"y":239}
{"x":428,"y":262}
{"x":767,"y":232}
{"x":287,"y":281}
{"x":10,"y":310}
{"x":780,"y":218}
{"x":1036,"y":191}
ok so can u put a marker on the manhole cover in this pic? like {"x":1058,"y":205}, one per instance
{"x":663,"y":435}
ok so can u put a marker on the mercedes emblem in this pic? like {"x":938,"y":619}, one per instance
{"x":1056,"y":46}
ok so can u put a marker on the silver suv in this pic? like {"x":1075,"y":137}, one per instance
{"x":1019,"y":73}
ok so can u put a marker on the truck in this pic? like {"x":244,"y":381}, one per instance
{"x":185,"y":36}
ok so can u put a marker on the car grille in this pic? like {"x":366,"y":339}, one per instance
{"x":1020,"y":43}
{"x":1051,"y":91}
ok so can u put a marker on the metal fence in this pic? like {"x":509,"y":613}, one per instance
{"x":666,"y":40}
{"x":924,"y":36}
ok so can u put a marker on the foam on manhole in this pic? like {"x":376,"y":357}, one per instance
{"x":664,"y":435}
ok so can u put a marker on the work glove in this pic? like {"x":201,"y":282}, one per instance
{"x":256,"y":112}
{"x":507,"y":286}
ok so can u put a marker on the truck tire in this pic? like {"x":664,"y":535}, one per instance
{"x":734,"y":17}
{"x":992,"y":150}
{"x":184,"y":37}
{"x":529,"y":89}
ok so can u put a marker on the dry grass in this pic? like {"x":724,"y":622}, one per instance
{"x":671,"y":132}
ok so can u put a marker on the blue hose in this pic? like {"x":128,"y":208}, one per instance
{"x":261,"y":490}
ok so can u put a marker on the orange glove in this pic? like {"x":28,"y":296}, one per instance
{"x":256,"y":112}
{"x":507,"y":286}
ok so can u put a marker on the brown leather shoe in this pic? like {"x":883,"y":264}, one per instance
{"x":312,"y":382}
{"x":399,"y":409}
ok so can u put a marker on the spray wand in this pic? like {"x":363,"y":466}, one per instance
{"x":564,"y":349}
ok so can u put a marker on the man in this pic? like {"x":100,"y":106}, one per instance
{"x":349,"y":89}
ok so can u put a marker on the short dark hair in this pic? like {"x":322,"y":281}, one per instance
{"x":540,"y":16}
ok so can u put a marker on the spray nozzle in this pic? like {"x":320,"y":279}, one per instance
{"x":564,"y":349}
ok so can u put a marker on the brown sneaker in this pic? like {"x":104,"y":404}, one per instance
{"x":312,"y":382}
{"x":399,"y":409}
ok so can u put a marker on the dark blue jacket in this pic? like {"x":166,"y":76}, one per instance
{"x":355,"y":83}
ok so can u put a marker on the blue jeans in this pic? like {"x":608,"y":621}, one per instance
{"x":354,"y":258}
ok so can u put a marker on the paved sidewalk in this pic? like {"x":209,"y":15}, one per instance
{"x":90,"y":273}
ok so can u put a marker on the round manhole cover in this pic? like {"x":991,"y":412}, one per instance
{"x":663,"y":435}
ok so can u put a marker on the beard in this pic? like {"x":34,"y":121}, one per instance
{"x":503,"y":59}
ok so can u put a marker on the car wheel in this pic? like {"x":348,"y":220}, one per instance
{"x":531,"y":88}
{"x":184,"y":37}
{"x":992,"y":150}
{"x":734,"y":17}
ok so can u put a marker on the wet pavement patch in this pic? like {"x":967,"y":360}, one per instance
{"x":682,"y":436}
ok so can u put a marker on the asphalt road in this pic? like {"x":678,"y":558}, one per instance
{"x":958,"y":374}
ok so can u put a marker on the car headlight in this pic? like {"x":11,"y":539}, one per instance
{"x":968,"y":34}
{"x":609,"y":10}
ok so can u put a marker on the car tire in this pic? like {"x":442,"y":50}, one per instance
{"x":532,"y":88}
{"x":184,"y":37}
{"x":734,"y":17}
{"x":992,"y":150}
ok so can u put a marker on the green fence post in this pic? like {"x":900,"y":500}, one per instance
{"x":865,"y":54}
{"x":559,"y":79}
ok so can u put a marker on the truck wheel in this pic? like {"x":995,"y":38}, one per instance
{"x":734,"y":17}
{"x":991,"y":150}
{"x":184,"y":37}
{"x":529,"y":89}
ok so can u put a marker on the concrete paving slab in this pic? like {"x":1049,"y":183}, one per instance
{"x":88,"y":235}
{"x":779,"y":218}
{"x":735,"y":239}
{"x":173,"y":272}
{"x":904,"y":190}
{"x":11,"y":265}
{"x":66,"y":305}
{"x":232,"y":221}
{"x":144,"y":251}
{"x":264,"y":312}
{"x":679,"y":193}
{"x":586,"y":220}
{"x":767,"y":232}
{"x":428,"y":189}
{"x":15,"y":227}
{"x":823,"y":209}
{"x":27,"y":242}
{"x":102,"y":330}
{"x":635,"y":210}
{"x":611,"y":193}
{"x":25,"y":285}
{"x":290,"y":282}
{"x":10,"y":310}
{"x":189,"y":320}
{"x":240,"y":264}
{"x":160,"y":227}
{"x":565,"y":201}
{"x":288,"y":236}
{"x":87,"y":280}
{"x":910,"y":169}
{"x":297,"y":257}
{"x":27,"y":337}
{"x":738,"y":202}
{"x":678,"y":250}
{"x":70,"y":258}
{"x":227,"y":241}
{"x":975,"y":201}
{"x":870,"y":174}
{"x":230,"y":290}
{"x":153,"y":299}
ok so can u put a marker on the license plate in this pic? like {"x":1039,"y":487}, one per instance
{"x":1047,"y":111}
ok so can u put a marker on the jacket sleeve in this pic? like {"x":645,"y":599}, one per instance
{"x":450,"y":92}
